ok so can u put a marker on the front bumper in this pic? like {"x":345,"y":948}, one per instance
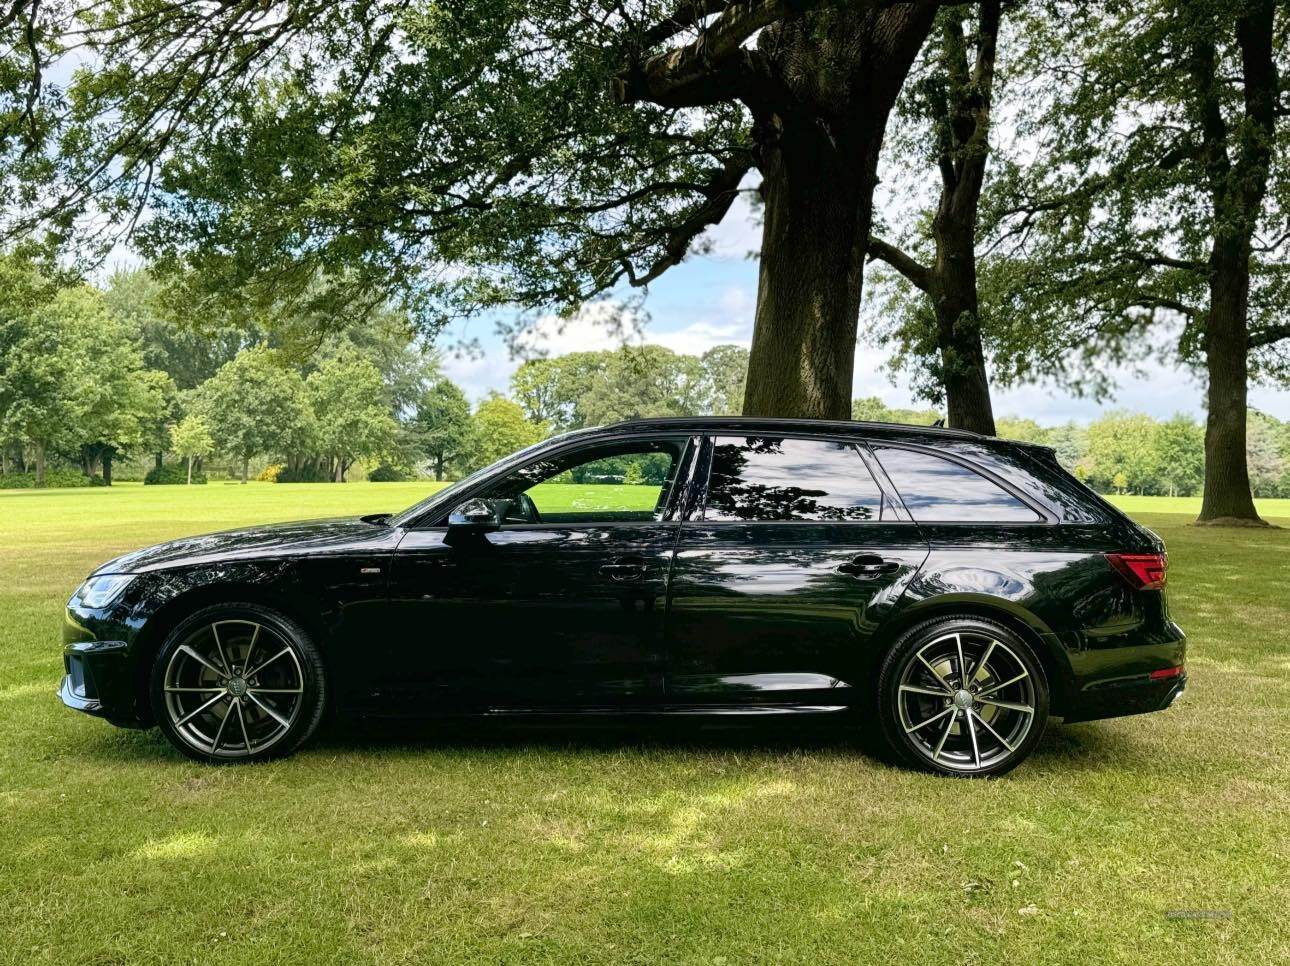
{"x":97,"y":680}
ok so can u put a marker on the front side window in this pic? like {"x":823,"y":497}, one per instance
{"x":622,"y":482}
{"x":771,"y":478}
{"x":937,"y":490}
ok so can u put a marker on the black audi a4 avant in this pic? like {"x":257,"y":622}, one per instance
{"x":948,"y":591}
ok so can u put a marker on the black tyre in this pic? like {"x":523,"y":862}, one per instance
{"x":238,"y":682}
{"x":962,"y":696}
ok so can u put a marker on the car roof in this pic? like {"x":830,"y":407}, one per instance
{"x":781,"y":424}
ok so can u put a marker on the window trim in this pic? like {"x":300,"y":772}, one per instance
{"x":857,"y":444}
{"x":438,"y":518}
{"x":1046,"y":516}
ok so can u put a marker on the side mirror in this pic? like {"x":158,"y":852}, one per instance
{"x":474,"y":516}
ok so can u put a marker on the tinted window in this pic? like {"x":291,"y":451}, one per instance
{"x":936,"y":490}
{"x":768,"y":478}
{"x":601,"y":484}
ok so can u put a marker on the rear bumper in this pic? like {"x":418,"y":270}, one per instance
{"x":1136,"y":677}
{"x":1140,"y":696}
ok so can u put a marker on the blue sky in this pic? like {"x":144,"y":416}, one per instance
{"x":709,"y":300}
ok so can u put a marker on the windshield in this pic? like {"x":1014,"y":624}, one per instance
{"x":446,"y":494}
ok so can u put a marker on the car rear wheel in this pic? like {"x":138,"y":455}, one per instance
{"x":962,"y":696}
{"x":238,"y":682}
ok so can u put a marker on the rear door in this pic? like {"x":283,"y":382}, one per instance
{"x":793,"y":557}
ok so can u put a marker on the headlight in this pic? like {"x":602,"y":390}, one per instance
{"x":102,"y":590}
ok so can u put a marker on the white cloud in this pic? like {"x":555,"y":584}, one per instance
{"x":737,"y":234}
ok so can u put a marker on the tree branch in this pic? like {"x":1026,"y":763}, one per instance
{"x":720,"y":193}
{"x":918,"y":274}
{"x":1267,"y":336}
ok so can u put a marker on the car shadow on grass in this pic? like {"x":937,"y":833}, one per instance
{"x":1078,"y":747}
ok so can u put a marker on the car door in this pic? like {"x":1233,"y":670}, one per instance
{"x":562,"y":605}
{"x":794,"y":556}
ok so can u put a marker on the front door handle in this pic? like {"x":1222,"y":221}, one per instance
{"x":624,"y":568}
{"x":868,"y":565}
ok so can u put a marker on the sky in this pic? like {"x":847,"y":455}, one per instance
{"x":708,"y":300}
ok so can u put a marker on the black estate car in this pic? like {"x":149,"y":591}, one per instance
{"x":949,"y":590}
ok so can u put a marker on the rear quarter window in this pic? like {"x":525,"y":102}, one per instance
{"x":938,"y":490}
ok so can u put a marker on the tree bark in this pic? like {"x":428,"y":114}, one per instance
{"x":818,"y":205}
{"x":108,"y":453}
{"x":340,"y":470}
{"x":246,"y":468}
{"x":1228,"y":498}
{"x":190,"y":470}
{"x":40,"y":462}
{"x":820,"y":88}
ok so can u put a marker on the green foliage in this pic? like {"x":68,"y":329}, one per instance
{"x":442,"y":424}
{"x":256,"y":406}
{"x":387,"y":473}
{"x":498,"y":428}
{"x":594,"y":388}
{"x":871,"y":409}
{"x":54,"y":479}
{"x":169,"y":474}
{"x":351,"y":410}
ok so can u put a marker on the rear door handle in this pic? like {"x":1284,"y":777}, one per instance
{"x":624,"y":568}
{"x":868,"y":565}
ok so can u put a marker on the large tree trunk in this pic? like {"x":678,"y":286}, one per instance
{"x":818,"y":204}
{"x":958,"y":326}
{"x":831,"y":79}
{"x":40,"y":462}
{"x":246,"y":468}
{"x":190,"y":471}
{"x":108,"y":453}
{"x":1228,"y":499}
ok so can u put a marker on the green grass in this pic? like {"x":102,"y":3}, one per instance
{"x":638,"y":847}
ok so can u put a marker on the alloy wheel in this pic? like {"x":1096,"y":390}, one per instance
{"x":233,"y":688}
{"x":966,"y":701}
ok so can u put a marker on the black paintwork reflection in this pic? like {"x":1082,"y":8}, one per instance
{"x":772,"y":478}
{"x":550,"y":615}
{"x":769,"y":598}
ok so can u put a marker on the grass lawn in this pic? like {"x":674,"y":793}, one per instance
{"x":645,"y":847}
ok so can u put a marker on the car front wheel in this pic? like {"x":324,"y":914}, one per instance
{"x":962,"y":696}
{"x":238,"y":682}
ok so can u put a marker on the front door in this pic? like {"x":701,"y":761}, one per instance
{"x":794,"y":558}
{"x":563,"y":605}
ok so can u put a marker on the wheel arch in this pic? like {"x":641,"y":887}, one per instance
{"x":1015,"y":618}
{"x":197,"y":595}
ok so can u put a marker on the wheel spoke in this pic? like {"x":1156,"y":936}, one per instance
{"x":1010,"y":705}
{"x":936,"y":674}
{"x":984,"y":659}
{"x":915,"y":689}
{"x":250,"y":648}
{"x":958,"y":645}
{"x":219,"y":732}
{"x":935,"y":717}
{"x":250,"y":674}
{"x":944,"y":735}
{"x":198,"y":710}
{"x":999,"y":687}
{"x":269,"y":711}
{"x":184,"y":648}
{"x":971,"y":730}
{"x":241,"y":718}
{"x":219,"y":648}
{"x":171,"y":690}
{"x":302,"y":691}
{"x":997,"y":737}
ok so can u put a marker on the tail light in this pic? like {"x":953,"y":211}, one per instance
{"x":1142,"y":571}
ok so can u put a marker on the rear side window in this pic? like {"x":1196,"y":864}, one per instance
{"x":772,"y":478}
{"x":938,"y":490}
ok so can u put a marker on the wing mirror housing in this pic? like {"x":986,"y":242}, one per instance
{"x":474,"y":517}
